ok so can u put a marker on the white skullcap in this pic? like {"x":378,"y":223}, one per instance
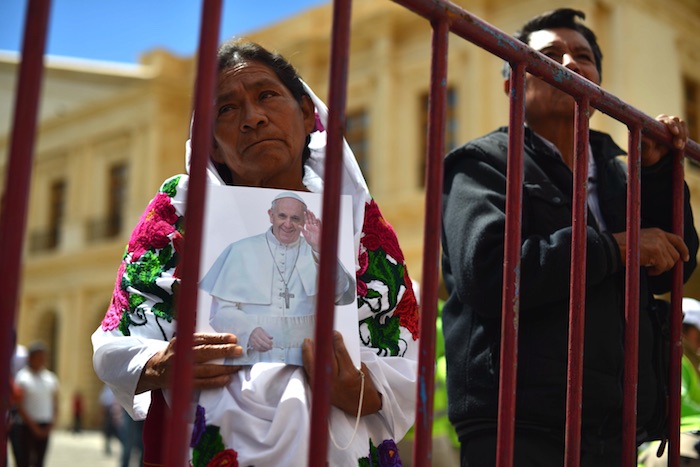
{"x":289,"y":194}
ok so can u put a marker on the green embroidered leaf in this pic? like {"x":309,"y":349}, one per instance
{"x":371,"y":293}
{"x":124,"y":324}
{"x":170,"y":187}
{"x":381,"y":269}
{"x":386,"y":335}
{"x":135,"y":300}
{"x":165,"y":254}
{"x":209,"y":444}
{"x":142,"y":275}
{"x":180,"y":225}
{"x":164,"y":310}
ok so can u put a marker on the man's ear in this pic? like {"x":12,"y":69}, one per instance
{"x":309,"y":112}
{"x":269,"y":213}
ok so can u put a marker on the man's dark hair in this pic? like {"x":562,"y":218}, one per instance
{"x":560,"y":18}
{"x":237,"y":51}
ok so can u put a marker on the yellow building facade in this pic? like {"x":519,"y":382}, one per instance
{"x":110,"y":134}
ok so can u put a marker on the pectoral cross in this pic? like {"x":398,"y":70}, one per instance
{"x":287,"y":295}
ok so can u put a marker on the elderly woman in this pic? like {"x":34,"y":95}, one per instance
{"x":267,"y":133}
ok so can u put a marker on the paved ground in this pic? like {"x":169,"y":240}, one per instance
{"x":82,"y":450}
{"x":88,"y":450}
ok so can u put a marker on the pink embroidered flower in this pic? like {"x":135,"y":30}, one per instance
{"x":225,"y":458}
{"x":120,"y":302}
{"x":149,"y":235}
{"x":161,"y":208}
{"x":154,"y":226}
{"x":378,"y":233}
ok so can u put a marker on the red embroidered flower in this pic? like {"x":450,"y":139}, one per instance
{"x":225,"y":458}
{"x":407,"y":309}
{"x":378,"y":233}
{"x":364,"y":261}
{"x":120,"y":302}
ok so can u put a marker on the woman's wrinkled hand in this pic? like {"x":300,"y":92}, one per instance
{"x":206,"y":347}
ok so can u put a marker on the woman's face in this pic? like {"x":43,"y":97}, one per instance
{"x":260,"y":129}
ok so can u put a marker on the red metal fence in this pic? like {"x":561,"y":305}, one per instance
{"x":444,"y":18}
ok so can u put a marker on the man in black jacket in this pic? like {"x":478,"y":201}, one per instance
{"x":473,"y":246}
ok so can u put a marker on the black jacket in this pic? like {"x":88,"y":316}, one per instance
{"x":473,"y":245}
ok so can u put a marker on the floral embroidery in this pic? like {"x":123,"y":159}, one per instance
{"x":170,"y":186}
{"x":384,"y":287}
{"x":378,"y":233}
{"x":120,"y":302}
{"x":407,"y":308}
{"x":179,"y":245}
{"x":361,"y":285}
{"x":226,"y":458}
{"x":148,"y":254}
{"x":155,"y":226}
{"x":386,"y":336}
{"x":384,"y":455}
{"x":210,"y":444}
{"x":199,"y":426}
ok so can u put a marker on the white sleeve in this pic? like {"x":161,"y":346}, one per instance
{"x":119,"y":361}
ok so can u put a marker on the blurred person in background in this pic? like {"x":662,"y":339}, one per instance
{"x":37,"y":407}
{"x":111,"y":418}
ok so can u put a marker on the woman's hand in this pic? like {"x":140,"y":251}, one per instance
{"x":207,"y":347}
{"x":346,"y":379}
{"x":653,"y":152}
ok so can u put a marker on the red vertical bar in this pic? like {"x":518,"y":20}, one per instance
{"x":422,"y":451}
{"x":176,"y":442}
{"x":16,"y":194}
{"x":629,"y":406}
{"x":511,"y":270}
{"x":577,"y":283}
{"x":320,"y":408}
{"x":674,"y":382}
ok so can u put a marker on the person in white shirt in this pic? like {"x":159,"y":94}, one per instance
{"x":37,"y":407}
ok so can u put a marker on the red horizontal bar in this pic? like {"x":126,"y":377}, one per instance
{"x":503,"y":45}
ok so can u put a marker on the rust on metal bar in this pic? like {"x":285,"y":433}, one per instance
{"x":676,"y":350}
{"x":577,"y":288}
{"x":503,"y":45}
{"x":320,"y":408}
{"x":422,"y":451}
{"x":511,"y":269}
{"x":176,"y":442}
{"x":630,"y":372}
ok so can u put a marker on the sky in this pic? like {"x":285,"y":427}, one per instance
{"x":121,"y":30}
